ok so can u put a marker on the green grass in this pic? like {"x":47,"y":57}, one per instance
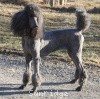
{"x":53,"y":20}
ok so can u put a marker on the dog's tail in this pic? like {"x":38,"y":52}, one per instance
{"x":83,"y":19}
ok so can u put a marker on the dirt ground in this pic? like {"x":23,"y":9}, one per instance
{"x":56,"y":76}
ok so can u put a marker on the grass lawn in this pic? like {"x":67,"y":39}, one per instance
{"x":53,"y":20}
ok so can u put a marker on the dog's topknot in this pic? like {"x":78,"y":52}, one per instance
{"x":32,"y":9}
{"x":83,"y":19}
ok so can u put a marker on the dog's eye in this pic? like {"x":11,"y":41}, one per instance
{"x":31,"y":8}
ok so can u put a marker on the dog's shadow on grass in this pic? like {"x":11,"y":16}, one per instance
{"x":11,"y":89}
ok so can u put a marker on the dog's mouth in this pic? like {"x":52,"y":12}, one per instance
{"x":31,"y":14}
{"x":33,"y":21}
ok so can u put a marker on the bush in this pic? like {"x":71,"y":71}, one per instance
{"x":70,"y":9}
{"x":95,"y":10}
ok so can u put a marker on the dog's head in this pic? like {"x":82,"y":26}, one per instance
{"x":33,"y":13}
{"x":27,"y":21}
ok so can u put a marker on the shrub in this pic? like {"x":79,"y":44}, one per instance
{"x":70,"y":9}
{"x":95,"y":10}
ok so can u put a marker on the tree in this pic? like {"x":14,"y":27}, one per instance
{"x":52,"y":3}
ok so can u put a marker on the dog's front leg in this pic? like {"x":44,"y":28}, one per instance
{"x":27,"y":73}
{"x":36,"y":81}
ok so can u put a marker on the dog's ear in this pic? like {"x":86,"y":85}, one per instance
{"x":19,"y":23}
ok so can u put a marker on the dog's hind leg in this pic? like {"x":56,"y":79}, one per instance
{"x":76,"y":76}
{"x":27,"y":73}
{"x":75,"y":52}
{"x":79,"y":73}
{"x":77,"y":69}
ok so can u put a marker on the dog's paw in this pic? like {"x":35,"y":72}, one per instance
{"x":33,"y":90}
{"x":79,"y":88}
{"x":73,"y":81}
{"x":22,"y":87}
